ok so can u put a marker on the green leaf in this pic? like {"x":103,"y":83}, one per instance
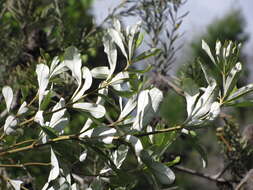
{"x":146,"y":54}
{"x":139,"y":40}
{"x":173,"y":162}
{"x":208,"y":51}
{"x":193,"y":140}
{"x":147,"y":69}
{"x":51,"y":133}
{"x":125,"y":93}
{"x":162,"y":173}
{"x":46,"y":100}
{"x":190,"y":87}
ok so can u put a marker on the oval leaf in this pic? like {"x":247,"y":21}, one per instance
{"x":8,"y":96}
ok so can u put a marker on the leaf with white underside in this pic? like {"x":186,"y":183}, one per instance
{"x":132,"y":34}
{"x":8,"y":96}
{"x":100,"y":72}
{"x":120,"y":83}
{"x":162,"y":173}
{"x":83,"y":156}
{"x":208,"y":51}
{"x":16,"y":184}
{"x":136,"y":143}
{"x":142,"y":103}
{"x":106,"y":134}
{"x":214,"y":111}
{"x":43,"y":79}
{"x":240,"y":92}
{"x":95,"y":110}
{"x":118,"y":38}
{"x":59,"y":114}
{"x":73,"y":61}
{"x":87,"y":76}
{"x":55,"y":170}
{"x":56,"y":67}
{"x":111,"y":51}
{"x":38,"y":118}
{"x":156,"y":98}
{"x":147,"y":106}
{"x":129,"y":107}
{"x":23,"y":108}
{"x":230,"y":80}
{"x":120,"y":155}
{"x":10,"y":125}
{"x":198,"y":106}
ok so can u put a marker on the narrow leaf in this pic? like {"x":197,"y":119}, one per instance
{"x":55,"y":170}
{"x":23,"y":108}
{"x":147,"y":54}
{"x":208,"y":51}
{"x":43,"y":79}
{"x":87,"y":83}
{"x":95,"y":110}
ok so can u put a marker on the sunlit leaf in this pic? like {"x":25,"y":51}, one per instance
{"x":95,"y":110}
{"x":129,"y":107}
{"x":8,"y":96}
{"x":240,"y":92}
{"x":73,"y":61}
{"x":106,"y":134}
{"x":56,"y":67}
{"x":230,"y":80}
{"x":43,"y":79}
{"x":55,"y":170}
{"x":136,"y":143}
{"x":208,"y":51}
{"x":87,"y":83}
{"x":10,"y":125}
{"x":132,"y":34}
{"x":83,"y":156}
{"x":23,"y":108}
{"x":100,"y":72}
{"x":118,"y":39}
{"x":39,"y":118}
{"x":16,"y":184}
{"x":111,"y":51}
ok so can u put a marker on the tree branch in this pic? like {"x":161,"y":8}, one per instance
{"x":202,"y":175}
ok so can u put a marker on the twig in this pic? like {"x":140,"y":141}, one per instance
{"x":202,"y":175}
{"x":247,"y":177}
{"x":159,"y":131}
{"x":25,"y":164}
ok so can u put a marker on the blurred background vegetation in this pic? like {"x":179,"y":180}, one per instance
{"x":32,"y":32}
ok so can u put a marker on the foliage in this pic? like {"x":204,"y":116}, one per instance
{"x":100,"y":127}
{"x":111,"y":138}
{"x":229,"y":27}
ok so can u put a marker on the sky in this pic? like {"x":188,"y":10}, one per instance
{"x":201,"y":14}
